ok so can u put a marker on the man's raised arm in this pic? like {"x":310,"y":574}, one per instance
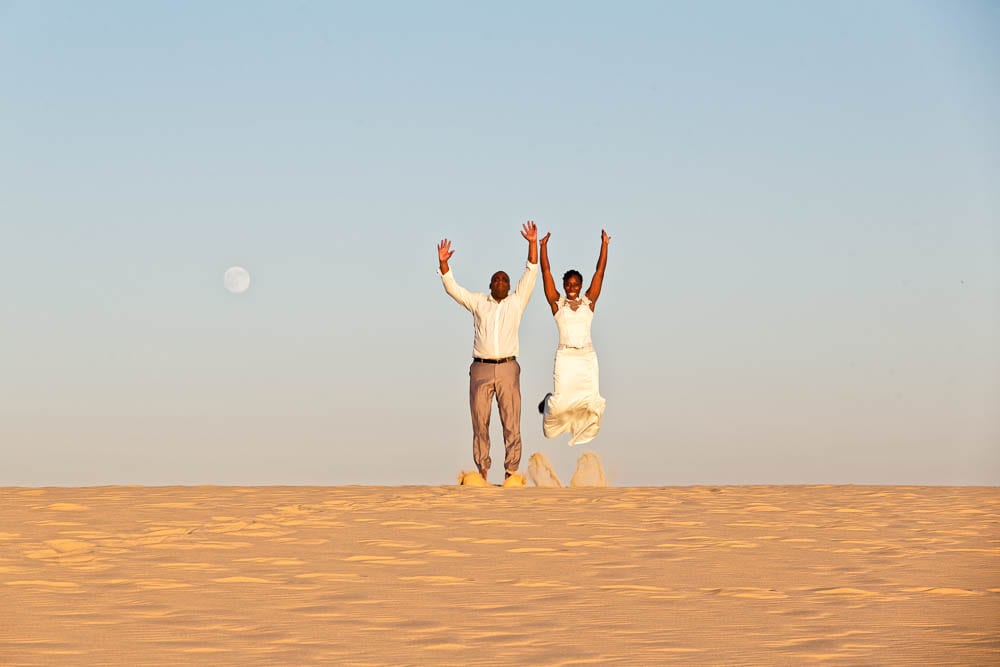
{"x":451,"y":286}
{"x":527,"y":282}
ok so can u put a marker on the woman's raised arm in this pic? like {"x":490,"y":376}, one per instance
{"x":594,"y":290}
{"x":551,"y":294}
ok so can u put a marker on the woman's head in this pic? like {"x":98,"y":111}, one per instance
{"x":572,"y":284}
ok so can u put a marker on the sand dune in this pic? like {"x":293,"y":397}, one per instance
{"x":460,"y":575}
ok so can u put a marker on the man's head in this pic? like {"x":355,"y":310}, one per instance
{"x":499,"y":285}
{"x":572,"y":284}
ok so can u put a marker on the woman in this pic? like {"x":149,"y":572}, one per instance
{"x":575,"y":403}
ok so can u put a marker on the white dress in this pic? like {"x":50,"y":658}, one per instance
{"x":575,"y":404}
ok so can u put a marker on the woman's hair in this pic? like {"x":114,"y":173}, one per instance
{"x":571,"y":273}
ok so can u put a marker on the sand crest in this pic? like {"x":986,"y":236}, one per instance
{"x":446,"y":575}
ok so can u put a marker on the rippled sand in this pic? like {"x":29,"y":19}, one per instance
{"x":459,"y":575}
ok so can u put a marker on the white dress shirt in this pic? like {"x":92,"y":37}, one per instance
{"x":496,"y":323}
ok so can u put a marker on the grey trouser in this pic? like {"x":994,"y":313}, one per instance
{"x":503,"y":380}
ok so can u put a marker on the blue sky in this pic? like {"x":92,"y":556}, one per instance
{"x":804,"y":273}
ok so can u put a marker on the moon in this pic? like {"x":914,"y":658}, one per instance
{"x":236,"y":279}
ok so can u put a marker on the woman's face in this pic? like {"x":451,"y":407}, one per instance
{"x":572,"y":286}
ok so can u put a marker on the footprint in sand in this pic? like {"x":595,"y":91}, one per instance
{"x":64,"y":552}
{"x":588,"y":471}
{"x":540,"y":472}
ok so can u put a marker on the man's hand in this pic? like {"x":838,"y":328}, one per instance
{"x":605,"y":239}
{"x":444,"y":250}
{"x":530,"y":234}
{"x":545,"y":239}
{"x":529,"y":231}
{"x":444,"y":254}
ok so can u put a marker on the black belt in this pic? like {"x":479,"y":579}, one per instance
{"x":494,"y":361}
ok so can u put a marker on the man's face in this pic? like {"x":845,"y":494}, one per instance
{"x":499,"y":285}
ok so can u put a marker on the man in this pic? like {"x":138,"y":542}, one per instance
{"x":494,"y":371}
